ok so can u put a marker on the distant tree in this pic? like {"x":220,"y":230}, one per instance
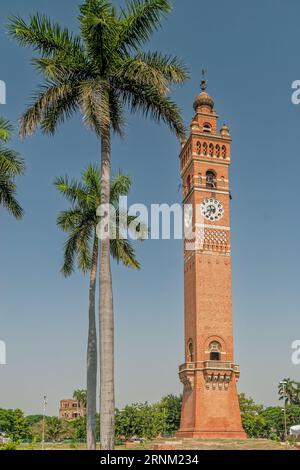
{"x":79,"y":427}
{"x":289,"y":390}
{"x":274,"y":417}
{"x":248,"y":405}
{"x":53,"y":427}
{"x":33,"y":419}
{"x":80,"y":397}
{"x":171,"y":405}
{"x":141,"y":420}
{"x":14,"y":424}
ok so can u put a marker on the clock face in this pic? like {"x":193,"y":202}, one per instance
{"x":212,"y":209}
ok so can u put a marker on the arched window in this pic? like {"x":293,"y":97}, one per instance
{"x":207,"y":128}
{"x":211,"y":150}
{"x":198,"y":148}
{"x":205,"y":148}
{"x":211,"y":179}
{"x":188,"y":183}
{"x":218,"y":151}
{"x":190,"y":351}
{"x":223,"y":151}
{"x":215,"y":351}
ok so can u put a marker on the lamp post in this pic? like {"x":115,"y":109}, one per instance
{"x":283,"y":383}
{"x":44,"y":419}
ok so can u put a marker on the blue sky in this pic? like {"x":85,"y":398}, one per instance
{"x":251,"y":52}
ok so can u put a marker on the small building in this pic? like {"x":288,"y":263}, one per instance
{"x":71,"y":409}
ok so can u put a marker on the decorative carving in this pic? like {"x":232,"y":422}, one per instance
{"x":216,"y":237}
{"x":188,"y":382}
{"x":217,"y":381}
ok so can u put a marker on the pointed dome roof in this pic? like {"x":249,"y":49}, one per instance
{"x":204,"y":99}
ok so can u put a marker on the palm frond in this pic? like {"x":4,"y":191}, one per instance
{"x":120,"y":186}
{"x":8,"y":197}
{"x":116,"y":112}
{"x":77,"y":248}
{"x":122,"y":251}
{"x":72,"y":190}
{"x":84,"y":247}
{"x":137,"y":70}
{"x":149,"y":102}
{"x":61,"y":69}
{"x":69,"y":220}
{"x":10,"y":162}
{"x":54,"y":103}
{"x":140,"y":20}
{"x":170,"y":67}
{"x":69,"y":255}
{"x":94,"y":103}
{"x":98,"y":29}
{"x":44,"y":36}
{"x":91,"y":179}
{"x":5,"y":129}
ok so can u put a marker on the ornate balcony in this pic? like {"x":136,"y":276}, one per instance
{"x":219,"y":365}
{"x":218,"y":374}
{"x":210,"y":365}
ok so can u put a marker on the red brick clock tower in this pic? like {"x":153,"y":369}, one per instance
{"x":210,"y":407}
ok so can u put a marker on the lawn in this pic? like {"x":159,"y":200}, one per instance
{"x":184,"y":444}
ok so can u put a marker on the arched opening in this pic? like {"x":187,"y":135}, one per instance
{"x":211,"y":150}
{"x":224,"y":151}
{"x":215,"y":351}
{"x":218,"y":151}
{"x":207,"y":128}
{"x":188,"y":183}
{"x":205,"y":148}
{"x":198,"y":148}
{"x":211,"y":179}
{"x":190,"y":351}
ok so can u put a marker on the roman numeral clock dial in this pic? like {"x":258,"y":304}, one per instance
{"x":212,"y":209}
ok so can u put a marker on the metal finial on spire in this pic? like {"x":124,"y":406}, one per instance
{"x":204,"y":81}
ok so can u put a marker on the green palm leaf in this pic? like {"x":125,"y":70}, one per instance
{"x":5,"y":129}
{"x":140,"y":20}
{"x":11,"y":165}
{"x":79,"y":222}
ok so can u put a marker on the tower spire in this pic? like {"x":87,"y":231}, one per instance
{"x":204,"y":80}
{"x":204,"y":100}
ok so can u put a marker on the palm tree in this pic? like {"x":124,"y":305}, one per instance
{"x":81,"y":397}
{"x":11,"y":165}
{"x":288,"y":391}
{"x":82,"y":245}
{"x":101,"y":72}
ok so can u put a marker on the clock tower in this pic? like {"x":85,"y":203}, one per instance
{"x":210,"y":407}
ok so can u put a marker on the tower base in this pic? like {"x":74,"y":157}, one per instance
{"x":239,"y":435}
{"x":210,"y":405}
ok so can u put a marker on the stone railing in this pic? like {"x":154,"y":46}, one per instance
{"x":219,"y":365}
{"x":215,"y":365}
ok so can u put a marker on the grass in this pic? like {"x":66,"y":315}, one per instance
{"x":179,"y":444}
{"x":220,"y":444}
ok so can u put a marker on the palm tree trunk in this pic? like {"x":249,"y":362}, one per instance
{"x":92,"y":355}
{"x":106,"y":313}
